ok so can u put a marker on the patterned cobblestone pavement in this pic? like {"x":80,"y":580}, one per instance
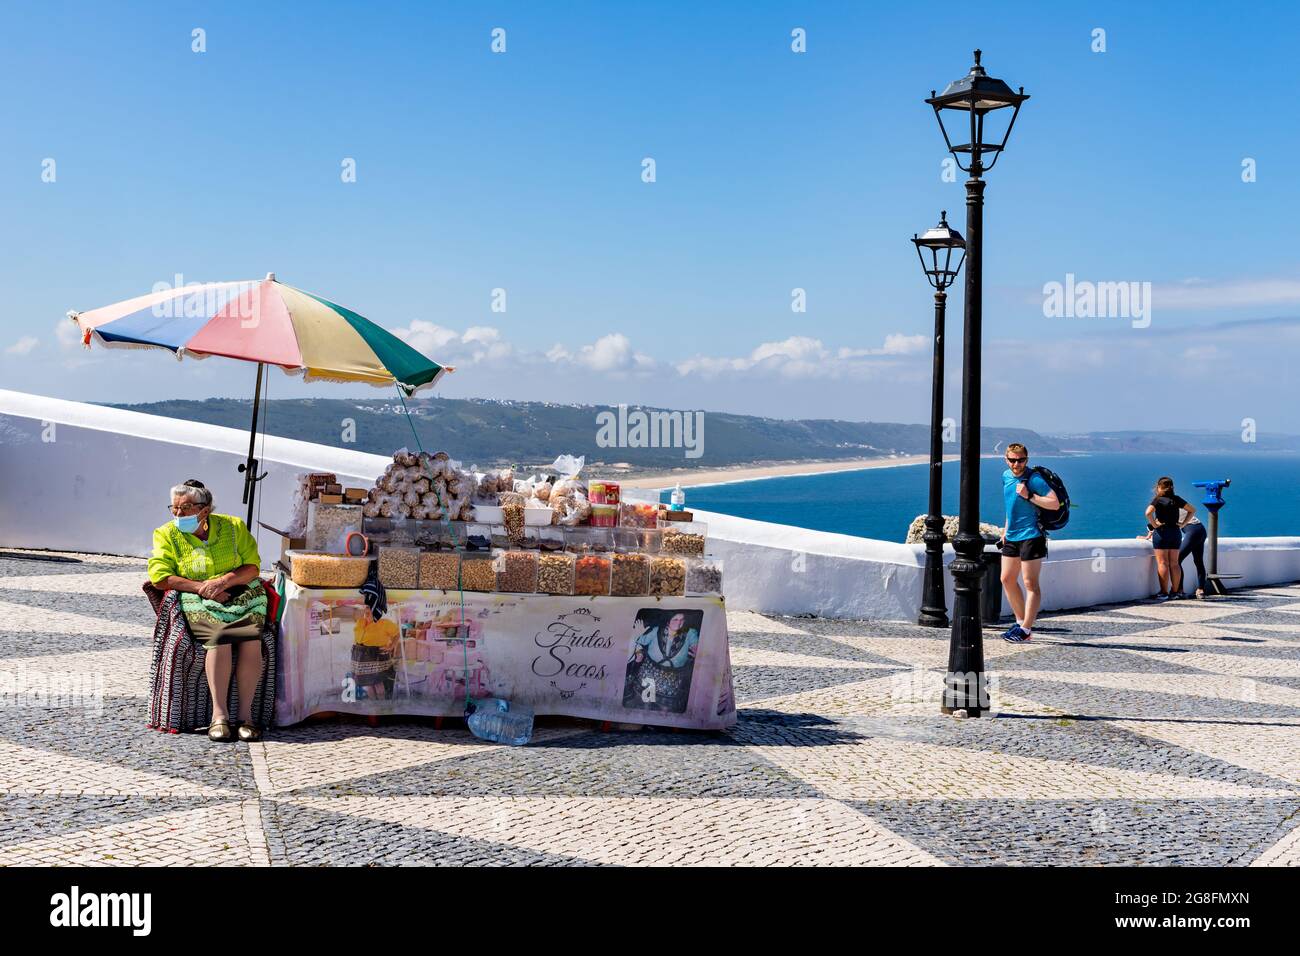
{"x":1137,"y":734}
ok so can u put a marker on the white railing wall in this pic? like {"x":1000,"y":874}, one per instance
{"x":80,"y":477}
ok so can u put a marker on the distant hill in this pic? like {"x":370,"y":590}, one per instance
{"x":1174,"y":442}
{"x":485,"y":432}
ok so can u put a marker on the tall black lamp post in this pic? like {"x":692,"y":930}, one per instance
{"x":974,"y":98}
{"x":939,"y":243}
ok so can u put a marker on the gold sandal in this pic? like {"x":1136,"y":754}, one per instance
{"x":220,"y":732}
{"x":249,"y":733}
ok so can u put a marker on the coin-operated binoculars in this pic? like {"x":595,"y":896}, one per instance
{"x":1213,"y":501}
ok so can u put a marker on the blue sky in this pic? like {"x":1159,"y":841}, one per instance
{"x":775,"y":170}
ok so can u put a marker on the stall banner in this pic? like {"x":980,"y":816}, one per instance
{"x":640,"y":660}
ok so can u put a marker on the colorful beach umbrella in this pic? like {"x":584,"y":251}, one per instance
{"x":269,"y":323}
{"x":266,"y":322}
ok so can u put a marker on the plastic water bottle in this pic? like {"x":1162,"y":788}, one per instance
{"x":677,"y":500}
{"x":502,"y":722}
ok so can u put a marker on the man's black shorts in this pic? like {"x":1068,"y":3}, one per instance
{"x":1030,"y":549}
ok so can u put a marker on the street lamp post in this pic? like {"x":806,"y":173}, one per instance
{"x":940,"y":242}
{"x":979,"y":95}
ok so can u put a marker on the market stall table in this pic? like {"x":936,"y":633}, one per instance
{"x":661,"y":661}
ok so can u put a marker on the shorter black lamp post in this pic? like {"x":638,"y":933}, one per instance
{"x":935,"y":248}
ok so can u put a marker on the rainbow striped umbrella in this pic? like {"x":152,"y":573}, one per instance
{"x":266,"y":322}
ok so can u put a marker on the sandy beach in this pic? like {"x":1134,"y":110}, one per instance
{"x":692,"y":478}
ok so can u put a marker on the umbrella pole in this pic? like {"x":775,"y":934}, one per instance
{"x":249,"y":468}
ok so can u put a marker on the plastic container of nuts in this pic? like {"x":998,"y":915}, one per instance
{"x":630,"y":574}
{"x":516,"y":571}
{"x":555,"y":572}
{"x":316,"y":569}
{"x":684,"y":538}
{"x":551,"y":539}
{"x":399,"y":567}
{"x":477,"y":571}
{"x":440,"y":569}
{"x":704,"y":576}
{"x":667,"y":576}
{"x":589,"y":540}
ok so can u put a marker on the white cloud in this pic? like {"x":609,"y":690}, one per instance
{"x":476,"y":345}
{"x":23,"y":346}
{"x":1200,"y":294}
{"x":803,"y":357}
{"x":67,"y":333}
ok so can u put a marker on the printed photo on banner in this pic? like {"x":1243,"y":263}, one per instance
{"x":662,"y":659}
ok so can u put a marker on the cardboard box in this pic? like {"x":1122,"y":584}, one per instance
{"x":331,"y":499}
{"x":356,"y":494}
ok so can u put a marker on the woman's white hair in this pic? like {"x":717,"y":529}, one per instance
{"x":195,"y":491}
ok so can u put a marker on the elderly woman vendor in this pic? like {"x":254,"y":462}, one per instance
{"x":212,"y":561}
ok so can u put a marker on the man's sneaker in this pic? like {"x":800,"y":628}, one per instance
{"x":1176,"y":595}
{"x":1016,"y":635}
{"x":1162,"y":597}
{"x":1009,"y":631}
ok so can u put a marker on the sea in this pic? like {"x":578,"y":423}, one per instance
{"x":1108,"y":494}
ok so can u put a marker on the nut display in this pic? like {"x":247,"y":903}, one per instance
{"x":328,"y":525}
{"x":555,"y":573}
{"x":682,"y":542}
{"x":591,"y":575}
{"x":630,"y":574}
{"x":477,"y":573}
{"x":319,"y":570}
{"x":668,"y":576}
{"x":399,"y":567}
{"x":517,"y":572}
{"x":440,"y":569}
{"x":513,"y":516}
{"x":704,"y":577}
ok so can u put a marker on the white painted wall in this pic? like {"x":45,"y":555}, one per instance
{"x":79,"y":477}
{"x":83,"y":478}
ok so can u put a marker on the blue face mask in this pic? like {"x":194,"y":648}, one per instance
{"x":187,"y":523}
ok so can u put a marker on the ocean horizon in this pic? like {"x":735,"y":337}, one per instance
{"x":1109,"y":494}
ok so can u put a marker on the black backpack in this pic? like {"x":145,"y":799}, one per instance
{"x":1058,"y":519}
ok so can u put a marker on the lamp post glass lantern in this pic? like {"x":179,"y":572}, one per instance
{"x":940,"y":243}
{"x":976,"y":103}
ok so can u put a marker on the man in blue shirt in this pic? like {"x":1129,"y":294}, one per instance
{"x":1024,"y":544}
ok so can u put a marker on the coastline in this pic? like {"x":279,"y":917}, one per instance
{"x":691,"y":478}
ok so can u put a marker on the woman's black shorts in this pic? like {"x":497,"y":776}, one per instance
{"x":1167,"y":537}
{"x":1030,"y":549}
